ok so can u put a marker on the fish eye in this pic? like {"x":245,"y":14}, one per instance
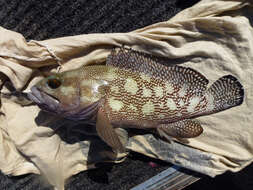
{"x":53,"y":83}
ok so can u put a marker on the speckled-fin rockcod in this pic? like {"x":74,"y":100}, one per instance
{"x":134,"y":91}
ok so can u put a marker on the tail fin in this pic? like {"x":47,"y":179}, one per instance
{"x":224,"y":93}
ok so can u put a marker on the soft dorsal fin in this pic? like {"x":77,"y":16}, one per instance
{"x":151,"y":66}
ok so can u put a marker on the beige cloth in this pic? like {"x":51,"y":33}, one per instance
{"x":213,"y":37}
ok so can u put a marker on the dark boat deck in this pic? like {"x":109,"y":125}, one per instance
{"x":132,"y":173}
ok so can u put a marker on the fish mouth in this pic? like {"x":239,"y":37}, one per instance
{"x":49,"y":103}
{"x":45,"y":101}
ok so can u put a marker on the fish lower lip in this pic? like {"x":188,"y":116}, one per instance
{"x":38,"y":96}
{"x":35,"y":95}
{"x":33,"y":98}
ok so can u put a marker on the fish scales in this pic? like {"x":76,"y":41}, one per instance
{"x":144,"y":97}
{"x":134,"y":91}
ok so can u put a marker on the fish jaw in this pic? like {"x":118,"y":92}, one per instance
{"x":43,"y":100}
{"x":87,"y":113}
{"x":75,"y":112}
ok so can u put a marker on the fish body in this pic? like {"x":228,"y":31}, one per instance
{"x":134,"y":90}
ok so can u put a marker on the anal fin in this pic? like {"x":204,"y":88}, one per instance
{"x":114,"y":137}
{"x":182,"y":129}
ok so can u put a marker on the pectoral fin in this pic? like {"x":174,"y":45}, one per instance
{"x":182,"y":129}
{"x":114,"y":137}
{"x":123,"y":136}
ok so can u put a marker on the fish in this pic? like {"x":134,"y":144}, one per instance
{"x":136,"y":90}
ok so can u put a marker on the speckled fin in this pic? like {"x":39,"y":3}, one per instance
{"x":182,"y":129}
{"x":115,"y":138}
{"x":224,"y":93}
{"x":150,"y":66}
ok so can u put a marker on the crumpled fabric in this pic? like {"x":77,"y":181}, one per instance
{"x":213,"y":37}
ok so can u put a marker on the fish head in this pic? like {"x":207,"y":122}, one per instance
{"x":56,"y":93}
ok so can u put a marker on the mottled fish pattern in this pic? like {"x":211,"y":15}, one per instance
{"x":134,"y":90}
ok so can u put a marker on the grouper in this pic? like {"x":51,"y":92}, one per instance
{"x":133,"y":90}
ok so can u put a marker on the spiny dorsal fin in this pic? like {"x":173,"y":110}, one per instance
{"x":149,"y":65}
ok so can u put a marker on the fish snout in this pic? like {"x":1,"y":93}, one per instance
{"x":35,"y":95}
{"x":45,"y":101}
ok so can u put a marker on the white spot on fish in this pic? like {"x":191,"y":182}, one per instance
{"x":169,"y":88}
{"x":193,"y":103}
{"x":111,"y":74}
{"x":67,"y":90}
{"x":148,"y":108}
{"x":182,"y":92}
{"x":161,"y":116}
{"x":88,"y":83}
{"x":131,"y":86}
{"x":171,"y":104}
{"x":145,"y":77}
{"x":147,"y":92}
{"x":116,"y":105}
{"x":181,"y":103}
{"x":158,"y":91}
{"x":93,"y":83}
{"x":71,"y":74}
{"x":85,"y":99}
{"x":179,"y":114}
{"x":132,"y":107}
{"x":115,"y":89}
